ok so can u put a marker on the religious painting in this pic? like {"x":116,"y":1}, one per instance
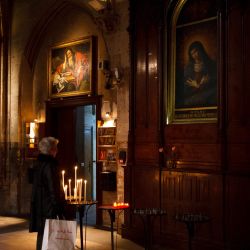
{"x":196,"y":71}
{"x":70,"y":68}
{"x":193,"y":84}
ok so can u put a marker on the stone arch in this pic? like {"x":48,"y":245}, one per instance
{"x":31,"y":52}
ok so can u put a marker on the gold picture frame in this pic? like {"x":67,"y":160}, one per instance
{"x":187,"y":101}
{"x":70,"y":70}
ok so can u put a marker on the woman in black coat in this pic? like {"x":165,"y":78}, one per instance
{"x":47,"y":199}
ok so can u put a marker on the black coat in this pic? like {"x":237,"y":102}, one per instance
{"x":47,"y":200}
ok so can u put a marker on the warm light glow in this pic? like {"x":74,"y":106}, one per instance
{"x":31,"y":134}
{"x":167,"y":121}
{"x":69,"y":189}
{"x":106,"y":110}
{"x":63,"y":172}
{"x":109,"y":123}
{"x":85,"y":191}
{"x":32,"y":130}
{"x":66,"y":192}
{"x":97,"y":5}
{"x":75,"y":177}
{"x":120,"y":204}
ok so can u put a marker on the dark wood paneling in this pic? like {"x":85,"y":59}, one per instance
{"x":238,"y":63}
{"x":196,"y":133}
{"x":193,"y":193}
{"x":198,"y":146}
{"x":146,"y":152}
{"x":238,"y":87}
{"x":146,"y":188}
{"x":237,"y":212}
{"x":213,"y":159}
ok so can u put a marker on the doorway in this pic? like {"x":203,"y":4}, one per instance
{"x":85,"y":148}
{"x":75,"y":127}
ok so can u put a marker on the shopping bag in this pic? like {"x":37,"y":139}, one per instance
{"x":59,"y":235}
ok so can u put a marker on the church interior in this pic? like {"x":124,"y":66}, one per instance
{"x":149,"y":101}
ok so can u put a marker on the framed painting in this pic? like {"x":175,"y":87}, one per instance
{"x":192,"y":86}
{"x":70,"y":68}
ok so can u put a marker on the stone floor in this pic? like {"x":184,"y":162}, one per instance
{"x":14,"y":235}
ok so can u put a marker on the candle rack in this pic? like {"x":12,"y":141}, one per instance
{"x":77,"y":202}
{"x":191,"y":220}
{"x":148,"y":215}
{"x":77,"y":188}
{"x":81,"y":207}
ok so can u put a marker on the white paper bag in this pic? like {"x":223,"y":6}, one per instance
{"x":59,"y":235}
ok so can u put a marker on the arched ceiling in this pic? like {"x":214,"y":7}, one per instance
{"x":37,"y":34}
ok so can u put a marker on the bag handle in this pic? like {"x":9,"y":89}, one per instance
{"x":58,"y":218}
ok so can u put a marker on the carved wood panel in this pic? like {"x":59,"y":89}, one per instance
{"x":193,"y":193}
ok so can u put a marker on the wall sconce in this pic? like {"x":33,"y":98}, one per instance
{"x":106,"y":110}
{"x":113,"y":78}
{"x":109,"y":114}
{"x":32,"y":134}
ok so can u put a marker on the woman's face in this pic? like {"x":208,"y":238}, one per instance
{"x":195,"y":54}
{"x":53,"y":151}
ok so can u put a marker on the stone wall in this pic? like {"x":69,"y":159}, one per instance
{"x":35,"y":28}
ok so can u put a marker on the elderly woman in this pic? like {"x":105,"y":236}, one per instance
{"x":47,"y":196}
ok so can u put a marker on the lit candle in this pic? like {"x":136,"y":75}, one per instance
{"x":63,"y":172}
{"x":75,"y":194}
{"x":69,"y":189}
{"x":80,"y":190}
{"x":75,"y":177}
{"x":85,"y":190}
{"x":65,"y":192}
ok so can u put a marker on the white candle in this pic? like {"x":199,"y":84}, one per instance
{"x":63,"y":172}
{"x":65,"y":192}
{"x":80,"y":190}
{"x":69,"y":189}
{"x":75,"y":177}
{"x":75,"y":194}
{"x":85,"y":190}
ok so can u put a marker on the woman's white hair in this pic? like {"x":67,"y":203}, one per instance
{"x":46,"y":144}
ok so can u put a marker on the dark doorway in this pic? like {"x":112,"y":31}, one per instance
{"x":75,"y":127}
{"x":85,"y":148}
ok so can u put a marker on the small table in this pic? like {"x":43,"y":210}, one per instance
{"x":80,"y":207}
{"x":190,"y":220}
{"x":111,"y":210}
{"x":148,"y":215}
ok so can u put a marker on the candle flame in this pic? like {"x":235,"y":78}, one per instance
{"x":120,"y":204}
